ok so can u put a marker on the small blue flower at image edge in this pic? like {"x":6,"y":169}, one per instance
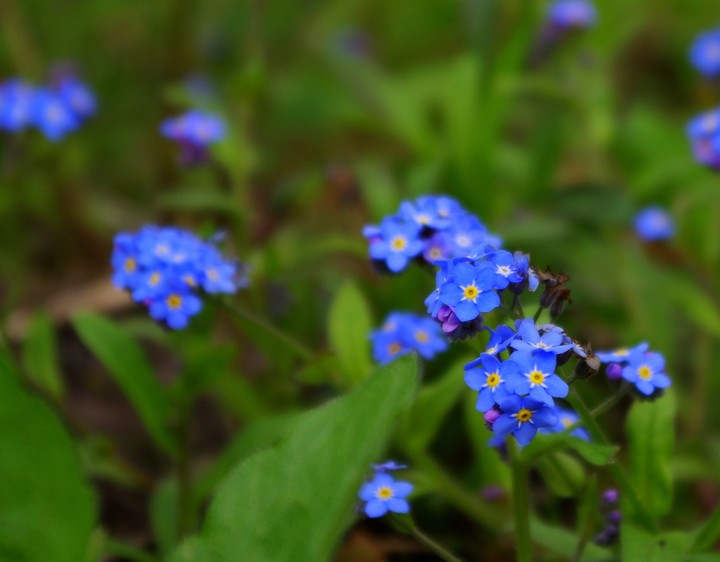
{"x":654,"y":224}
{"x":705,"y":53}
{"x":646,"y":370}
{"x":572,"y":14}
{"x":384,"y":494}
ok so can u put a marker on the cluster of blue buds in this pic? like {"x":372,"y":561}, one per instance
{"x":430,"y":229}
{"x":194,"y":131}
{"x":704,"y":134}
{"x":165,"y":268}
{"x":383,"y":494}
{"x":705,"y":53}
{"x":55,"y":110}
{"x":403,"y":332}
{"x":654,"y":224}
{"x":643,"y":368}
{"x":516,"y":380}
{"x":609,"y":504}
{"x":566,"y":15}
{"x":468,"y":287}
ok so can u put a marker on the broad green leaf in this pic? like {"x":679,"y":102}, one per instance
{"x":47,"y":510}
{"x":164,"y":516}
{"x":39,"y":353}
{"x":293,"y":501}
{"x":563,"y":474}
{"x":434,"y":401}
{"x":709,"y":533}
{"x":651,"y":435}
{"x":563,"y":542}
{"x":125,"y":361}
{"x":594,"y":453}
{"x":636,"y":544}
{"x":349,"y":325}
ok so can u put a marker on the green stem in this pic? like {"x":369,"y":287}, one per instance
{"x":610,"y":402}
{"x":537,"y":314}
{"x":521,"y":504}
{"x":438,"y":549}
{"x":618,"y":473}
{"x":184,"y":483}
{"x":299,"y":348}
{"x":454,"y":492}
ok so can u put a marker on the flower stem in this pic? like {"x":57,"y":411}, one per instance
{"x":438,"y":549}
{"x":619,"y":474}
{"x":521,"y":504}
{"x":184,"y":484}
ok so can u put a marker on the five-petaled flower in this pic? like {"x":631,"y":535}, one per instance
{"x":534,"y":374}
{"x":383,"y":493}
{"x":522,"y":417}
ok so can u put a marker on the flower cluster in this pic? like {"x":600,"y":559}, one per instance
{"x":643,"y":368}
{"x":653,"y":224}
{"x":567,"y":15}
{"x":55,"y":110}
{"x":165,"y":268}
{"x":609,"y":507}
{"x":704,"y":134}
{"x":403,"y":332}
{"x":430,"y":229}
{"x":194,"y":131}
{"x":517,"y":393}
{"x":466,"y":288}
{"x":383,"y":493}
{"x":705,"y":53}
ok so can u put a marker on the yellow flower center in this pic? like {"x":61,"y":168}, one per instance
{"x":212,"y":274}
{"x":190,"y":280}
{"x":422,"y":336}
{"x":622,"y":352}
{"x":422,"y":219}
{"x":567,"y":422}
{"x":174,"y":301}
{"x":384,"y":493}
{"x":524,"y":415}
{"x":493,"y":379}
{"x":394,"y":348}
{"x":154,"y":279}
{"x":537,"y":377}
{"x":435,"y":254}
{"x":503,"y":270}
{"x":470,"y":292}
{"x":398,"y":244}
{"x":645,"y":372}
{"x":162,"y":249}
{"x":130,"y":265}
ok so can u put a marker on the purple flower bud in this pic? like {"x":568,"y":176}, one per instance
{"x":614,"y":516}
{"x":614,"y":371}
{"x":610,"y":496}
{"x":492,"y":493}
{"x":491,"y":415}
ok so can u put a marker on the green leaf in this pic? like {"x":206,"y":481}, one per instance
{"x":651,"y":435}
{"x":563,"y":542}
{"x":164,"y":516}
{"x":636,"y":544}
{"x":39,"y":354}
{"x":563,"y":474}
{"x":47,"y":510}
{"x":433,"y":402}
{"x":594,"y":453}
{"x":349,"y":324}
{"x":124,"y":359}
{"x":293,"y":501}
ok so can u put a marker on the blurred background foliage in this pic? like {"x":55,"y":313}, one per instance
{"x":337,"y":112}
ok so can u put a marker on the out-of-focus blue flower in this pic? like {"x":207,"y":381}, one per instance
{"x":388,"y":466}
{"x":165,"y":268}
{"x":77,"y":96}
{"x":704,"y":133}
{"x":383,"y":493}
{"x":506,"y":271}
{"x":622,"y":354}
{"x":654,"y":223}
{"x":16,"y":99}
{"x":487,"y":375}
{"x":529,"y":338}
{"x":534,"y":374}
{"x":571,"y":14}
{"x":194,"y":131}
{"x":471,"y":290}
{"x":402,"y":333}
{"x":397,"y":244}
{"x":567,"y":418}
{"x":52,"y":115}
{"x":646,"y":370}
{"x":522,"y":417}
{"x":468,"y":237}
{"x":705,"y":53}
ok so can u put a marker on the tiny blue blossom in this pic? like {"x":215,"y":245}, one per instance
{"x":622,"y":354}
{"x":175,"y":306}
{"x":388,"y":466}
{"x":398,"y":243}
{"x":500,"y":339}
{"x":646,"y":370}
{"x":704,"y":133}
{"x":384,"y":494}
{"x":194,"y":131}
{"x":470,"y":291}
{"x":16,"y":99}
{"x":530,"y":339}
{"x":402,"y":333}
{"x":52,"y":115}
{"x":487,"y":375}
{"x":705,"y":53}
{"x":522,"y":417}
{"x":534,"y":374}
{"x":572,"y":14}
{"x":506,"y":271}
{"x":567,"y":418}
{"x":654,"y":223}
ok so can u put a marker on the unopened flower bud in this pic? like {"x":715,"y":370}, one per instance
{"x":614,"y":371}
